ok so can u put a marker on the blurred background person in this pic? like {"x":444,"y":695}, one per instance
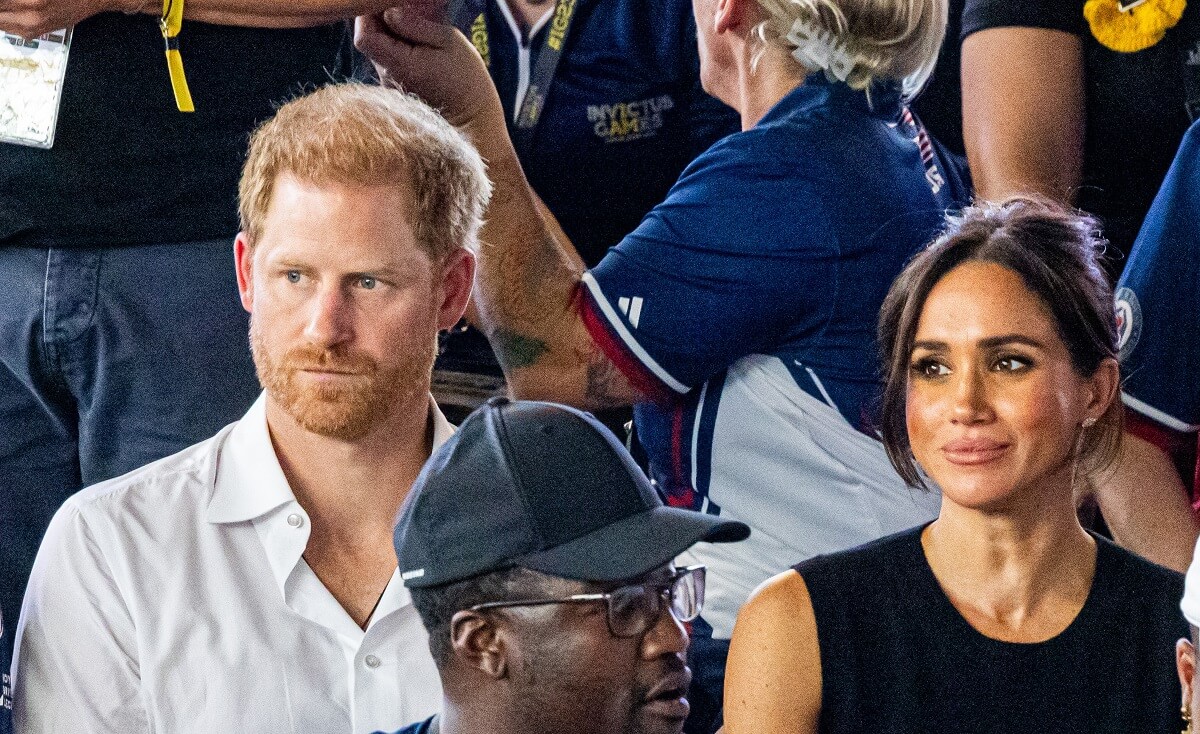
{"x":1003,"y":614}
{"x":602,"y":99}
{"x":1146,"y":498}
{"x":1085,"y":102}
{"x":739,"y":315}
{"x":1185,"y":647}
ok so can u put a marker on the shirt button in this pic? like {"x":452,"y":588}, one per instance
{"x":295,"y":520}
{"x":372,"y":661}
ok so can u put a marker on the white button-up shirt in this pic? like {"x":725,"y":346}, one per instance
{"x":175,"y":599}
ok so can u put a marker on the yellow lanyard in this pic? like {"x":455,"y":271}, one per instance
{"x":170,"y":23}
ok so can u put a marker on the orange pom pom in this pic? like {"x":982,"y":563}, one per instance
{"x":1135,"y":29}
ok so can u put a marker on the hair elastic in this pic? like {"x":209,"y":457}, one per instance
{"x":820,"y":50}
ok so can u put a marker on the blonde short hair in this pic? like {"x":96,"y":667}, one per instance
{"x":369,"y":135}
{"x":894,"y":40}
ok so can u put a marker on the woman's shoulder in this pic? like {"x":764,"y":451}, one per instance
{"x":1135,"y":576}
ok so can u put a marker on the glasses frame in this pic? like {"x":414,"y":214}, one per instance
{"x":665,"y":588}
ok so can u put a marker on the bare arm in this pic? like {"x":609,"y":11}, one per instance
{"x":1023,"y":111}
{"x":1146,"y":506}
{"x":529,"y":274}
{"x":773,"y":676}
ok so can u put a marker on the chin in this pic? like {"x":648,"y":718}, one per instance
{"x":985,"y":491}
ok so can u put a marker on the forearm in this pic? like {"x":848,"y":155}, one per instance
{"x":270,"y":14}
{"x":1146,"y":506}
{"x":528,"y":274}
{"x":526,"y":286}
{"x":31,"y":18}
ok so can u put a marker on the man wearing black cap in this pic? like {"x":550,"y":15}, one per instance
{"x":540,"y":560}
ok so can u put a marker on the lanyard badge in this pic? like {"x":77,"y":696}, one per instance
{"x":31,"y":80}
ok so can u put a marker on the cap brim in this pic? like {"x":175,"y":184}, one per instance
{"x":635,"y":545}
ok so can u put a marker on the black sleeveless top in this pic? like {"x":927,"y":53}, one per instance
{"x":896,"y":656}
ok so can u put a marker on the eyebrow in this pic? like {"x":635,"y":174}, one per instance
{"x":992,"y":342}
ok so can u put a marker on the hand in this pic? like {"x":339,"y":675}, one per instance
{"x":32,"y":18}
{"x":415,"y":50}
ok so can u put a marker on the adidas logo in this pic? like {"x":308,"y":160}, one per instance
{"x":631,"y":307}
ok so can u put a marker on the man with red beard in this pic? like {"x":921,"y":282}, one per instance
{"x":249,"y":583}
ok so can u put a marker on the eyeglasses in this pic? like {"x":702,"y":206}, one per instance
{"x":634,"y":609}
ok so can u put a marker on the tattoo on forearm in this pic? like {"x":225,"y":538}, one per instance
{"x":516,"y":350}
{"x":606,"y":386}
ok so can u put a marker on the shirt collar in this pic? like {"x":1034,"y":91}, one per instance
{"x":818,"y":91}
{"x":249,"y":480}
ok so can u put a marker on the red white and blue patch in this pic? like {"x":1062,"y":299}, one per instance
{"x":1129,"y":321}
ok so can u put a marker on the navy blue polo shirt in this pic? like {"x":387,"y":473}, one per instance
{"x":748,"y":300}
{"x":624,"y":115}
{"x":625,"y":112}
{"x":1158,"y":300}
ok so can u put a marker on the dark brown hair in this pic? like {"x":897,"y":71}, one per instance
{"x":1056,"y":251}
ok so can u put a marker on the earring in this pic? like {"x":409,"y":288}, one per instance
{"x":1089,"y":422}
{"x":1186,"y":713}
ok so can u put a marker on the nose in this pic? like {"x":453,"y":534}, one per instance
{"x":970,"y":398}
{"x":667,"y":637}
{"x":328,"y":318}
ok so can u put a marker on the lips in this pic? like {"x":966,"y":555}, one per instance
{"x":973,"y":451}
{"x":668,"y":698}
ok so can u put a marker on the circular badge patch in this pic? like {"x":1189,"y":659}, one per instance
{"x":1129,"y":321}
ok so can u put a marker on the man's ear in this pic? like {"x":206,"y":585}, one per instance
{"x":242,"y":256}
{"x":480,"y":643}
{"x":458,"y":276}
{"x":1185,"y":665}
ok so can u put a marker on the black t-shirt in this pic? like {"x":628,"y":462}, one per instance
{"x":1136,"y":106}
{"x":939,"y":106}
{"x":897,"y":656}
{"x":127,"y":168}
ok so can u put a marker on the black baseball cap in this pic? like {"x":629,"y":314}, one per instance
{"x":544,"y":487}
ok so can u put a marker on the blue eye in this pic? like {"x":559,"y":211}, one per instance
{"x":293,"y":276}
{"x":367,"y":282}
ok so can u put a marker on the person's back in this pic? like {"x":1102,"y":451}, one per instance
{"x":787,"y":296}
{"x":923,"y":667}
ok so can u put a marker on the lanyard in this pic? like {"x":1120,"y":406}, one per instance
{"x":170,"y":25}
{"x":548,"y":60}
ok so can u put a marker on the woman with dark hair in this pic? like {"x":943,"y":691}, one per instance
{"x":1003,"y":614}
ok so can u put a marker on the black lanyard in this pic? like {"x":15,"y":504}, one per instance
{"x":534,"y":101}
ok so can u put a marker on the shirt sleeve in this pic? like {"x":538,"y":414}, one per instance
{"x":1158,"y":299}
{"x":76,"y":666}
{"x":708,"y":277}
{"x":1056,"y":15}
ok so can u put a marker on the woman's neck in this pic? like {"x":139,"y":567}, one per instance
{"x":1018,"y":577}
{"x":760,"y":86}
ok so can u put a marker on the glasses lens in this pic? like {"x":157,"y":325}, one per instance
{"x":633,"y":609}
{"x":687,"y":594}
